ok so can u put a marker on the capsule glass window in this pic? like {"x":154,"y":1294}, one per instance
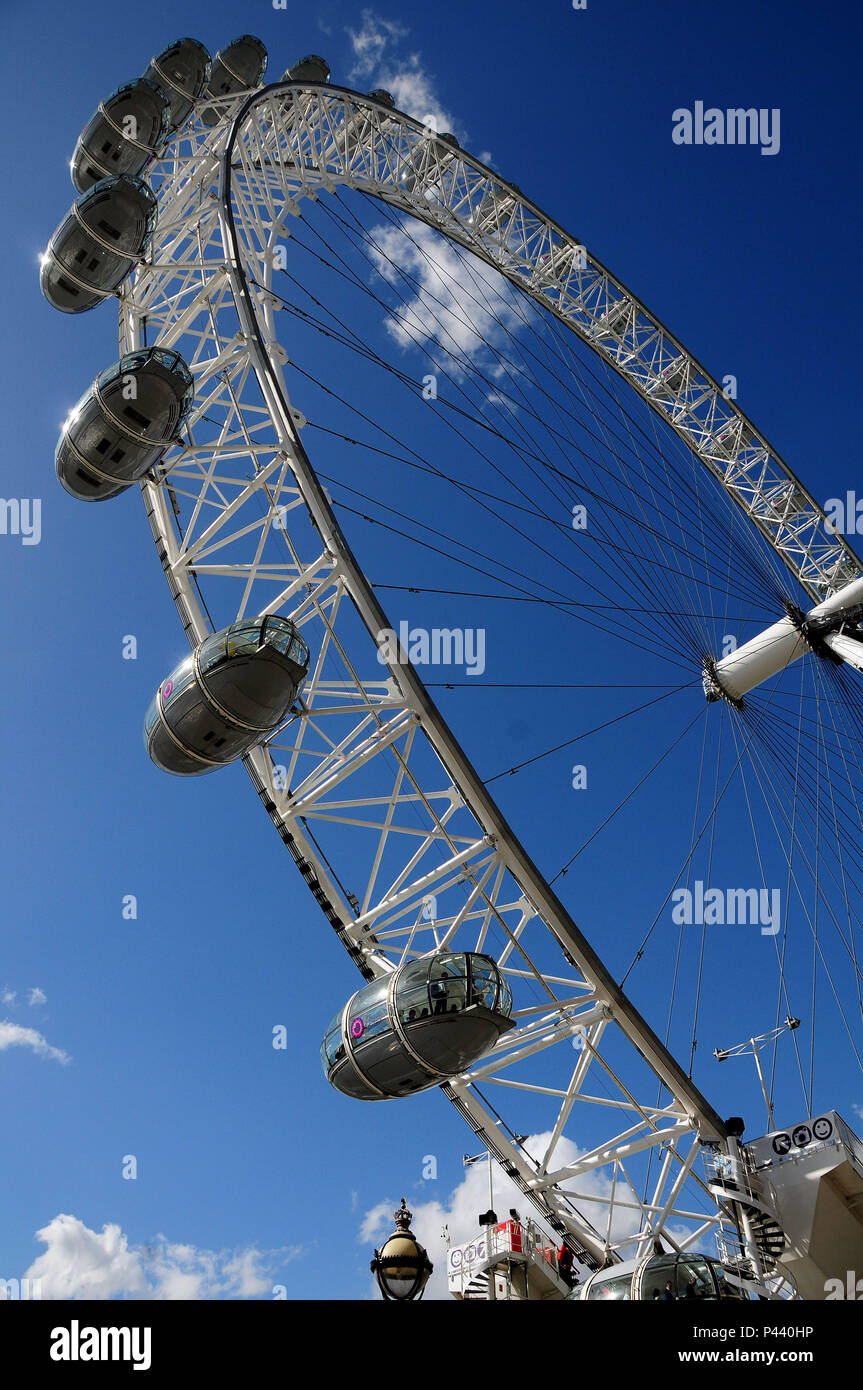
{"x":695,"y":1278}
{"x":484,"y":985}
{"x":102,"y":192}
{"x":183,"y":677}
{"x":412,"y":992}
{"x":212,"y":653}
{"x":242,"y":638}
{"x":447,"y":984}
{"x":299,"y":652}
{"x":368,"y":1016}
{"x":612,"y":1290}
{"x":332,"y":1045}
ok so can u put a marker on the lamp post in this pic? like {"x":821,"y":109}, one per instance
{"x":401,"y":1267}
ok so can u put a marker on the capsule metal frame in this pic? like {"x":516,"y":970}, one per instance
{"x":129,"y":364}
{"x":83,"y":153}
{"x":125,"y":256}
{"x":180,"y":109}
{"x":210,"y":116}
{"x":371,"y":1052}
{"x":293,"y":668}
{"x":313,"y":61}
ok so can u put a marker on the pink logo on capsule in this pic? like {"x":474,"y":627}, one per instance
{"x":357,"y":1028}
{"x":166,"y":689}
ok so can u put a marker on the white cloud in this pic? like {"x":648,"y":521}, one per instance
{"x":36,"y":996}
{"x":461,"y":303}
{"x":13,"y":1035}
{"x":414,"y":94}
{"x":8,"y":996}
{"x":371,"y":40}
{"x":80,"y":1263}
{"x":375,"y":46}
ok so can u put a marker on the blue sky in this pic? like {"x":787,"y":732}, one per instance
{"x":251,"y":1172}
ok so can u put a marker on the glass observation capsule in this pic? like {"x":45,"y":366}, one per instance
{"x":312,"y":68}
{"x":227,"y":696}
{"x":380,"y":94}
{"x":427,"y":1021}
{"x":125,"y":131}
{"x":681,"y":1275}
{"x":97,"y":243}
{"x":182,"y":70}
{"x":122,"y":426}
{"x":235,"y":69}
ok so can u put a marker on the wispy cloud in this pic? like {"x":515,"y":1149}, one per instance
{"x":371,"y":41}
{"x":378,"y":58}
{"x":14,"y":1035}
{"x":456,"y":301}
{"x":34,"y":996}
{"x":414,"y":93}
{"x":82,"y":1263}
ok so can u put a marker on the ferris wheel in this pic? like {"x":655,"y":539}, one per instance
{"x":202,"y":194}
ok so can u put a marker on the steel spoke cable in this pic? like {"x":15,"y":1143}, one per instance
{"x":516,"y":343}
{"x":512,"y":598}
{"x":624,"y":553}
{"x":460,"y":487}
{"x":467,"y":488}
{"x":415,"y":540}
{"x":709,"y":819}
{"x":804,"y":797}
{"x":561,"y":873}
{"x":385,"y":307}
{"x":842,"y":861}
{"x":549,"y":320}
{"x":784,"y":991}
{"x":609,"y":723}
{"x":711,"y":843}
{"x":818,"y":948}
{"x":814,"y":863}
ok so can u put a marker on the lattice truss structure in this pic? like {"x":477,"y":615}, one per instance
{"x":394,"y":833}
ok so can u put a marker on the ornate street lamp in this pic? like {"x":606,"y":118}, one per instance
{"x":402,"y":1266}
